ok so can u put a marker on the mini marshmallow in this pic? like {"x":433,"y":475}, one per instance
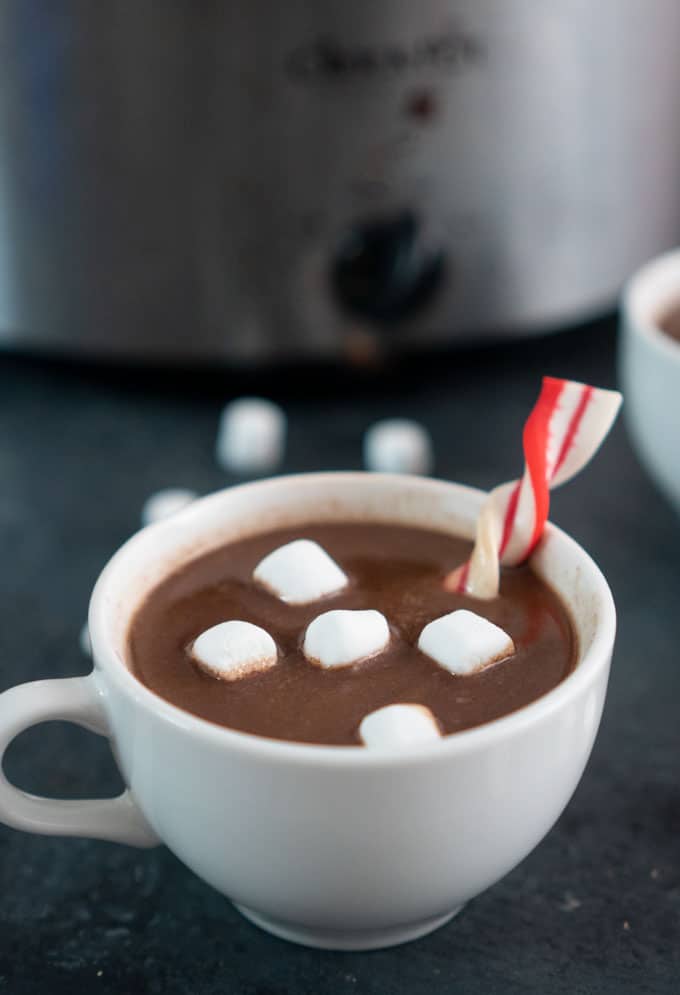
{"x":164,"y":503}
{"x":233,"y":649}
{"x":463,"y":642}
{"x":341,"y":637}
{"x":398,"y":445}
{"x":399,"y":725}
{"x":300,"y":572}
{"x":84,"y":641}
{"x":251,"y":436}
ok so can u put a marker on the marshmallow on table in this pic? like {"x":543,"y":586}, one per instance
{"x":300,"y":572}
{"x":251,"y":436}
{"x":233,"y":649}
{"x":341,"y":637}
{"x":399,"y":725}
{"x":167,"y":502}
{"x":398,"y":445}
{"x":463,"y":642}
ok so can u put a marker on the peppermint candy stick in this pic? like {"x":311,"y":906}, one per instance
{"x":566,"y":427}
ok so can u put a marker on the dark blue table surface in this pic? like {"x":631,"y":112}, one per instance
{"x":595,"y":908}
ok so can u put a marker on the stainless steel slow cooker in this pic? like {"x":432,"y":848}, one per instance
{"x":263,"y":179}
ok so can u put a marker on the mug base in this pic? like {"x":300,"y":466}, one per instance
{"x":346,"y":939}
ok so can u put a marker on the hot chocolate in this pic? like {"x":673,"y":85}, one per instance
{"x":670,"y":323}
{"x":393,"y":570}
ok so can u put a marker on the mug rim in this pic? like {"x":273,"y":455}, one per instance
{"x":589,"y":663}
{"x":652,"y":280}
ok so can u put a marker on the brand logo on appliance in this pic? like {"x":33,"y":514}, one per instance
{"x":328,"y":59}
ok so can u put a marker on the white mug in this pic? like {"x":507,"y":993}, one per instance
{"x":650,"y":370}
{"x":336,"y":847}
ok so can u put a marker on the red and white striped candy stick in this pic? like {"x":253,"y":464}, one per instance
{"x":566,"y":427}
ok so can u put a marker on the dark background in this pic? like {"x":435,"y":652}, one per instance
{"x":595,"y":908}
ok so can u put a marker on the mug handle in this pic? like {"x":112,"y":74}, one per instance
{"x":73,"y":699}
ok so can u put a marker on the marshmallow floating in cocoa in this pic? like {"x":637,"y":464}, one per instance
{"x":463,"y":642}
{"x":342,"y":637}
{"x":398,"y":445}
{"x":300,"y":572}
{"x":164,"y":503}
{"x":251,"y":436}
{"x":233,"y":649}
{"x":399,"y":725}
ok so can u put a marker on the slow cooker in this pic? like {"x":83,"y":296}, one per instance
{"x":259,"y":180}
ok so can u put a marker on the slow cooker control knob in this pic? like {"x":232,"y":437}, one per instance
{"x":384,"y":272}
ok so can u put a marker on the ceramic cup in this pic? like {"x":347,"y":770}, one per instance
{"x":336,"y":847}
{"x":650,"y":370}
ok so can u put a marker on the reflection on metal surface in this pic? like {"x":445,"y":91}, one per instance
{"x":159,"y":167}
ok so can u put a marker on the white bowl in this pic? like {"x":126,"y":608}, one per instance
{"x":337,"y":847}
{"x":649,"y":363}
